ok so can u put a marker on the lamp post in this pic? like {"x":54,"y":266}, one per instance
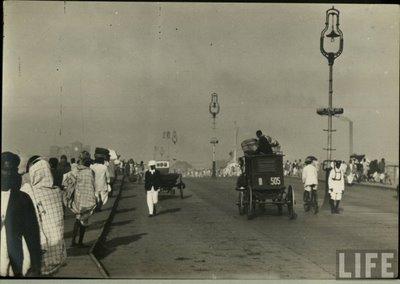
{"x":214,"y":109}
{"x":331,"y":24}
{"x":236,"y":142}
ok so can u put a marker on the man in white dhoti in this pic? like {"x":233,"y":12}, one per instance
{"x":336,"y":186}
{"x":101,"y":180}
{"x":310,"y":181}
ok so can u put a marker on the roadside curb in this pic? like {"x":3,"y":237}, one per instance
{"x":101,"y":238}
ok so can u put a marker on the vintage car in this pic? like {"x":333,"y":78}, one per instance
{"x":169,"y":181}
{"x":262,"y":182}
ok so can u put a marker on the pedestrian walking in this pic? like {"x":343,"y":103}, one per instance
{"x":110,"y":158}
{"x":102,"y":180}
{"x":20,"y":252}
{"x":47,"y":200}
{"x":310,"y":182}
{"x":141,"y":172}
{"x":80,"y":196}
{"x":152,"y":187}
{"x":336,"y":186}
{"x":351,"y":172}
{"x":63,"y":166}
{"x":73,"y":164}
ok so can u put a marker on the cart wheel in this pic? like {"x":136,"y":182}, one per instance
{"x":181,"y":186}
{"x":250,"y":203}
{"x":314,"y":202}
{"x":242,"y":209}
{"x":306,"y":201}
{"x":290,"y":203}
{"x":280,"y":209}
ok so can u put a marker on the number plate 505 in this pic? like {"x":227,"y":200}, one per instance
{"x":275,"y":181}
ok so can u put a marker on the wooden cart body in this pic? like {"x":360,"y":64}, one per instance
{"x":265,"y":185}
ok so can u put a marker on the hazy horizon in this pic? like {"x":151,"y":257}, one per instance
{"x":125,"y":72}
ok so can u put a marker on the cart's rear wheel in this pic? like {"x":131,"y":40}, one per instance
{"x":181,"y":187}
{"x":314,"y":201}
{"x":290,"y":202}
{"x":250,"y":203}
{"x":280,"y":209}
{"x":242,"y":209}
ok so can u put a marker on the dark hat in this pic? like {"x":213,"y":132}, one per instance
{"x":338,"y":163}
{"x":10,"y":160}
{"x":309,"y":159}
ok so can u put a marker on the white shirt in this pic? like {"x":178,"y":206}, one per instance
{"x":336,"y":180}
{"x":101,"y":177}
{"x":310,"y":175}
{"x":74,"y":166}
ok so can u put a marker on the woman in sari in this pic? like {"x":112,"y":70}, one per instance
{"x":47,"y":200}
{"x":79,"y":185}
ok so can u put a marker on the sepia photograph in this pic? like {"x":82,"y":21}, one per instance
{"x":200,"y":141}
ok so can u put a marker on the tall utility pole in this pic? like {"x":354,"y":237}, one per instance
{"x":236,"y":129}
{"x":214,"y":110}
{"x":331,"y":24}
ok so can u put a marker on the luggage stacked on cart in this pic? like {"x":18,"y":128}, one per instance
{"x":249,"y":146}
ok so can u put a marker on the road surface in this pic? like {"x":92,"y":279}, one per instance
{"x":203,"y":236}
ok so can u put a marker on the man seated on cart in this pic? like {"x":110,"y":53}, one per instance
{"x":265,"y":144}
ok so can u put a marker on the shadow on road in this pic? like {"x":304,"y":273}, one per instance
{"x":121,"y":223}
{"x":124,"y":210}
{"x":166,"y":197}
{"x":93,"y":226}
{"x":172,"y":210}
{"x":128,"y":196}
{"x":77,"y":251}
{"x":110,"y":246}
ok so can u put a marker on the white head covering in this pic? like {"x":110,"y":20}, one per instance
{"x":152,"y":163}
{"x":113,"y":154}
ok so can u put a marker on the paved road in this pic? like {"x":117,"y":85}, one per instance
{"x":203,"y":236}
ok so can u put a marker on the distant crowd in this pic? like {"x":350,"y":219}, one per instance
{"x":356,"y":170}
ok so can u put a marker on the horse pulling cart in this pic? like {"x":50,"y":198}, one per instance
{"x":169,"y":181}
{"x":262,"y":183}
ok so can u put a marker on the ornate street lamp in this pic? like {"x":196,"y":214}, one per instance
{"x":214,"y":107}
{"x":332,"y":32}
{"x":214,"y":110}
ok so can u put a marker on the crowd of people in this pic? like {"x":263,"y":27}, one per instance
{"x":356,"y":170}
{"x":134,"y":171}
{"x":34,"y":204}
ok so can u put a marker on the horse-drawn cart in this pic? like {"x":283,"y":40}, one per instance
{"x":261,"y":183}
{"x":169,"y":181}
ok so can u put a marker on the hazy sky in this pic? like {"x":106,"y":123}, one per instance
{"x":125,"y":72}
